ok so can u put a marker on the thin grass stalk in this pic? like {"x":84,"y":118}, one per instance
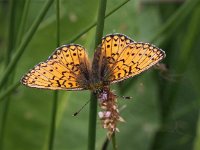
{"x":177,"y":18}
{"x":55,"y":93}
{"x":105,"y":144}
{"x":19,"y":38}
{"x":3,"y":123}
{"x":190,"y":41}
{"x":93,"y":98}
{"x":27,"y":38}
{"x":9,"y":90}
{"x":92,"y":122}
{"x":57,"y":22}
{"x":12,"y":42}
{"x":14,"y":86}
{"x":23,"y":21}
{"x":186,"y":51}
{"x":167,"y":100}
{"x":95,"y":23}
{"x":169,"y":27}
{"x":107,"y":141}
{"x":114,"y":144}
{"x":53,"y":121}
{"x":10,"y":45}
{"x":196,"y":83}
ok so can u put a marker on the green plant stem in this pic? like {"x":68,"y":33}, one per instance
{"x":12,"y":87}
{"x":105,"y":144}
{"x":95,"y":23}
{"x":93,"y":98}
{"x":24,"y":43}
{"x":53,"y":121}
{"x":100,"y":22}
{"x":58,"y":22}
{"x":23,"y":21}
{"x":55,"y":97}
{"x":10,"y":46}
{"x":3,"y":124}
{"x":114,"y":141}
{"x":177,"y":18}
{"x":190,"y":40}
{"x":11,"y":41}
{"x":92,"y":122}
{"x":10,"y":32}
{"x":9,"y":90}
{"x":169,"y":27}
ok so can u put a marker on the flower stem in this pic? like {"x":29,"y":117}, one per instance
{"x":55,"y":93}
{"x":114,"y":141}
{"x":93,"y":98}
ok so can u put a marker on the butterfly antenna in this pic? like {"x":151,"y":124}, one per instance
{"x":124,"y":97}
{"x":77,"y":112}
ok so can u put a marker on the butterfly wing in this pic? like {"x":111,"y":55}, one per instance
{"x":113,"y":45}
{"x":135,"y":58}
{"x":67,"y":69}
{"x":107,"y":54}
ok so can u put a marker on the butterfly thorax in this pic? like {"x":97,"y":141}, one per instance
{"x":96,"y":86}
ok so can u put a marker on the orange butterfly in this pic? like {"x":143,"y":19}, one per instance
{"x":116,"y":58}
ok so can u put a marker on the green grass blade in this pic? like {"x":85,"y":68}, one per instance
{"x":190,"y":40}
{"x":10,"y":32}
{"x":23,"y":21}
{"x":92,"y":122}
{"x":55,"y":93}
{"x":114,"y":141}
{"x":8,"y":90}
{"x":95,"y":23}
{"x":186,"y":50}
{"x":53,"y":121}
{"x":73,"y":39}
{"x":25,"y":41}
{"x":93,"y":98}
{"x":174,"y":22}
{"x":177,"y":18}
{"x":10,"y":46}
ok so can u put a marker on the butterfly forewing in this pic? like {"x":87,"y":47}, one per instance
{"x":113,"y":45}
{"x":134,"y":59}
{"x":63,"y":70}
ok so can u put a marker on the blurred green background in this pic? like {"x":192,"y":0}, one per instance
{"x":164,"y":111}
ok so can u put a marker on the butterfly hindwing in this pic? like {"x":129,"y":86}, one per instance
{"x":63,"y":70}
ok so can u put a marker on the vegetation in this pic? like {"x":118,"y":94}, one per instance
{"x":164,"y":111}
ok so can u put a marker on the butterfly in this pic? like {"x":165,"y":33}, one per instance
{"x":117,"y":58}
